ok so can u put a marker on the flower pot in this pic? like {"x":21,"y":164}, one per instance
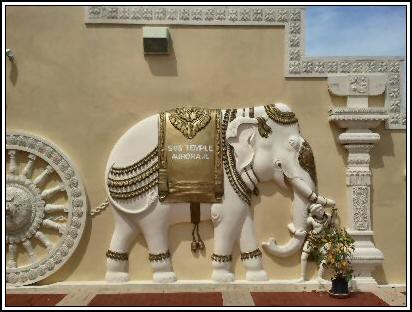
{"x":339,"y":287}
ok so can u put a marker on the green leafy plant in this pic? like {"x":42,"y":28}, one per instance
{"x":333,"y":249}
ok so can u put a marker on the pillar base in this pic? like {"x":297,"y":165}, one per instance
{"x":366,"y":257}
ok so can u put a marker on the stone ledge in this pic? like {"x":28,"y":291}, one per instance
{"x":181,"y":286}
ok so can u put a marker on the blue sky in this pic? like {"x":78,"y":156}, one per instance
{"x":355,"y":31}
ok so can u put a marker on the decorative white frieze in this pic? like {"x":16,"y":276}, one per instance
{"x":296,"y":63}
{"x":195,"y":15}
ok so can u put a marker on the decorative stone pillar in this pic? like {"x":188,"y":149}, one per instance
{"x":358,"y":139}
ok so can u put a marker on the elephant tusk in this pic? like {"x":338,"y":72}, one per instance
{"x":270,"y":243}
{"x":288,"y":249}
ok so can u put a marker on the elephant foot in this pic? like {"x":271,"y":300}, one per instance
{"x":163,"y":271}
{"x":222,"y":276}
{"x":256,"y":276}
{"x":117,"y":277}
{"x":164,"y":277}
{"x":221,"y":272}
{"x":117,"y":271}
{"x":254,"y":269}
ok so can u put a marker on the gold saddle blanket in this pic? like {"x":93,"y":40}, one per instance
{"x":190,"y":156}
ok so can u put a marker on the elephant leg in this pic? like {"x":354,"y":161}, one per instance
{"x":321,"y":271}
{"x":156,"y":236}
{"x":226,"y":230}
{"x":251,"y":256}
{"x":125,"y":232}
{"x":303,"y":266}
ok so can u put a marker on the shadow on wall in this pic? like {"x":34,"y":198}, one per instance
{"x":14,"y":73}
{"x":162,"y":64}
{"x":337,"y":101}
{"x":336,"y":131}
{"x":373,"y":101}
{"x":385,"y":147}
{"x":380,"y":276}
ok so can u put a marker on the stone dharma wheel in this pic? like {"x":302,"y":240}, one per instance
{"x":45,"y":207}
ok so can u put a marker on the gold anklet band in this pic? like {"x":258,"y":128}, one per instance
{"x":220,"y":258}
{"x":117,"y":255}
{"x":159,"y":257}
{"x":249,"y":255}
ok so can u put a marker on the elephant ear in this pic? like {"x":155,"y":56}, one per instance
{"x":240,"y":135}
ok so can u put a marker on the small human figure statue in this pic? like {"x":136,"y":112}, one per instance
{"x":318,"y":220}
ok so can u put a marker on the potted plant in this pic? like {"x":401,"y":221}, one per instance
{"x":332,"y":249}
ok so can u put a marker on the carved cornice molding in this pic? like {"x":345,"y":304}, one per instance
{"x":353,"y":141}
{"x":358,"y":117}
{"x":358,"y":114}
{"x":290,"y":17}
{"x":357,"y":111}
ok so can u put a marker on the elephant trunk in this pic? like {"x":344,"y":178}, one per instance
{"x":302,"y":177}
{"x":297,"y":228}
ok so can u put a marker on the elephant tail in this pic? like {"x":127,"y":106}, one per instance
{"x":100,"y":208}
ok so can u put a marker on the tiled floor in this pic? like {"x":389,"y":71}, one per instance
{"x":311,"y":299}
{"x":158,"y":299}
{"x":30,"y":300}
{"x":227,"y":298}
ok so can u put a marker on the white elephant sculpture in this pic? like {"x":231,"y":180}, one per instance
{"x":258,"y":144}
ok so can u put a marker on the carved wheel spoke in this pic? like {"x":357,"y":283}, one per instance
{"x":45,"y":208}
{"x":12,"y":256}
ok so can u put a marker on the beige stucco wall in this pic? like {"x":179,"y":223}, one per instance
{"x":82,"y":86}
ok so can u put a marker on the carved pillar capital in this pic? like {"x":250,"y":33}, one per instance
{"x":357,"y":87}
{"x":357,"y":84}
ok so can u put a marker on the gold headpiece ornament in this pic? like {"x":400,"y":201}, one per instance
{"x":278,"y":116}
{"x":263,"y":128}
